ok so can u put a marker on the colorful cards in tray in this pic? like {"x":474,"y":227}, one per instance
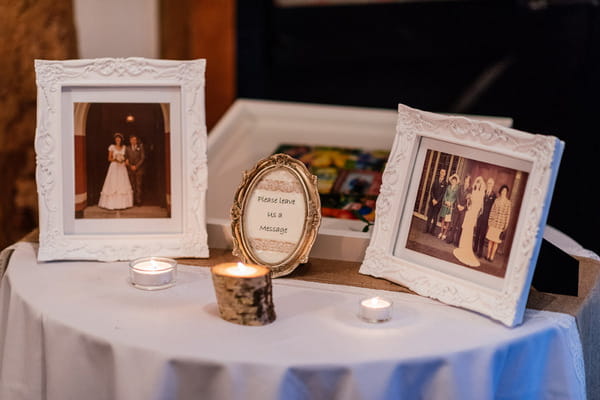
{"x":349,"y":179}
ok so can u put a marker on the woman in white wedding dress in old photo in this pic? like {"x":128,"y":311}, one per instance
{"x":464,"y":252}
{"x":116,"y":192}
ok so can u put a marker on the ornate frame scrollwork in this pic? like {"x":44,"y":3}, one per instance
{"x":54,"y":154}
{"x":453,"y":283}
{"x":298,"y":253}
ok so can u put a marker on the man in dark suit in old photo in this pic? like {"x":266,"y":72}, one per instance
{"x":438,"y":188}
{"x":135,"y":167}
{"x":482,"y":221}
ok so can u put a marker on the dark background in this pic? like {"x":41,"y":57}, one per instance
{"x":534,"y":61}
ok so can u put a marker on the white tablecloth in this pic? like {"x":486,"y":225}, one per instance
{"x":78,"y":330}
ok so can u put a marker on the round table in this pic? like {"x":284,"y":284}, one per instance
{"x":79,"y":330}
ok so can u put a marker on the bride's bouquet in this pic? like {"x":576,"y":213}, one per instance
{"x":119,"y":158}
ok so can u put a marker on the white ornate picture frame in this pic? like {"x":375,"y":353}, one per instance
{"x":444,"y":268}
{"x":169,"y":94}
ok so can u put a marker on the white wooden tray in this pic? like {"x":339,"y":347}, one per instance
{"x":252,"y":129}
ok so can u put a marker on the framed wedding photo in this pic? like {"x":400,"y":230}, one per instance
{"x":462,"y":210}
{"x":121,"y":158}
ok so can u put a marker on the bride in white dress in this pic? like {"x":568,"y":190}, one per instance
{"x":464,"y":252}
{"x":116,"y":192}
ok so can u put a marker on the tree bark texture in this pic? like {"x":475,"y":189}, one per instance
{"x":244,"y":300}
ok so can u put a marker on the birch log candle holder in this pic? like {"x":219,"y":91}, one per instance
{"x":244,"y":293}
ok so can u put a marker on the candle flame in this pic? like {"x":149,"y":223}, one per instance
{"x":373,"y":301}
{"x":243,"y":269}
{"x":151,"y":265}
{"x":376,"y":302}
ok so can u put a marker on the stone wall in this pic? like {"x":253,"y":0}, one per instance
{"x":42,"y":29}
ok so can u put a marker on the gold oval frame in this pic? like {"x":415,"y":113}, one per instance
{"x":312,"y":219}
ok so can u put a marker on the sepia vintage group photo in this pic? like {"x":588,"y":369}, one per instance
{"x":466,"y":211}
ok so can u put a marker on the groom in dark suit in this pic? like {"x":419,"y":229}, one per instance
{"x":135,"y":157}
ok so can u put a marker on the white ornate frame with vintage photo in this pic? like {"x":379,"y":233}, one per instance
{"x":401,"y":252}
{"x":276,"y":214}
{"x":176,"y":89}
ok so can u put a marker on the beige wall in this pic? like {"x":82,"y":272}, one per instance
{"x":117,"y":28}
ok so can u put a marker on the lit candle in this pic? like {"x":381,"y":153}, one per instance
{"x":243,"y":270}
{"x":375,"y":309}
{"x":153,"y":273}
{"x":244,"y":293}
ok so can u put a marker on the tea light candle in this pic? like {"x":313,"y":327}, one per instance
{"x":244,"y":293}
{"x":375,"y":309}
{"x":153,"y":273}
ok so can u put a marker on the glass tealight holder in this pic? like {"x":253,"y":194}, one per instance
{"x":153,"y":273}
{"x":375,"y":309}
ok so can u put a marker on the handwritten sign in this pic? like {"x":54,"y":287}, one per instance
{"x":275,"y":215}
